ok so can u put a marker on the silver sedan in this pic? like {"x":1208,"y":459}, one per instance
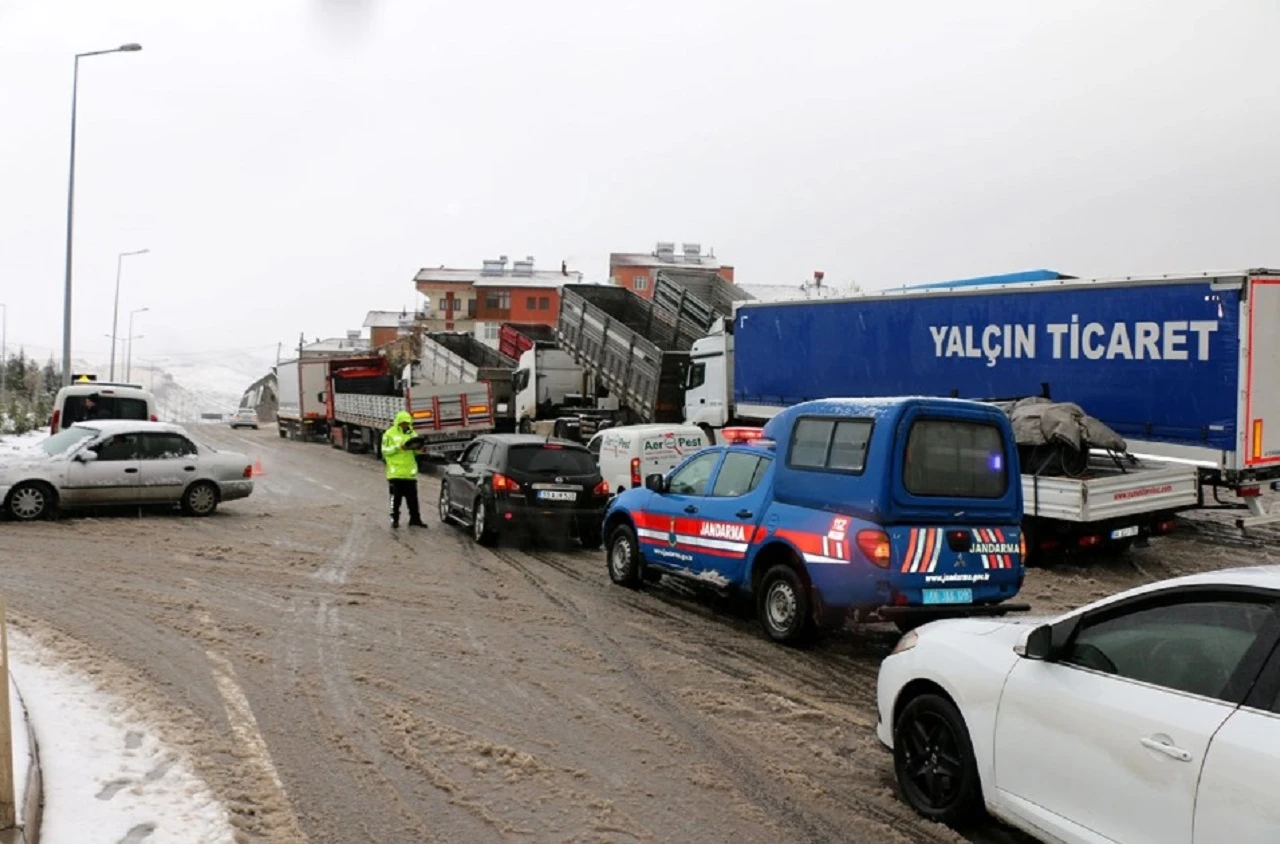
{"x":119,"y":462}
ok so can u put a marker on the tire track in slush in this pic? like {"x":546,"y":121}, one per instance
{"x":842,"y":672}
{"x":325,"y":624}
{"x":762,"y":792}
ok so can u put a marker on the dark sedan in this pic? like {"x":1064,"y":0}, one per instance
{"x":535,"y":484}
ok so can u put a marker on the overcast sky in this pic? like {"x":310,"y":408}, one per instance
{"x":291,"y":163}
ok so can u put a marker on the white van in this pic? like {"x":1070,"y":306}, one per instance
{"x":627,"y":454}
{"x":88,"y":401}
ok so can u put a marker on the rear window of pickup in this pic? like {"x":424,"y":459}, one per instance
{"x":955,"y":459}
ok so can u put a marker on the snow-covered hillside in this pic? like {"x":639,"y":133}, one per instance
{"x":185,"y":387}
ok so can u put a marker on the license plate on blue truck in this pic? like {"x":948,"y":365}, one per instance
{"x":948,"y":596}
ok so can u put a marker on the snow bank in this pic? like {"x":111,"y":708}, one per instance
{"x":107,"y":776}
{"x":21,"y":750}
{"x":21,"y":442}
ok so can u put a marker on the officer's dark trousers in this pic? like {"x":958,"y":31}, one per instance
{"x":407,"y":491}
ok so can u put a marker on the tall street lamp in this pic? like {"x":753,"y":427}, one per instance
{"x":115,"y":313}
{"x":128,"y":354}
{"x":71,"y":195}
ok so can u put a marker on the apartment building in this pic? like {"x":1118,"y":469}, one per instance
{"x":479,"y":300}
{"x":637,"y":271}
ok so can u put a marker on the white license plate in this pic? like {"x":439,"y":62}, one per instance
{"x":556,"y":495}
{"x":1124,"y":533}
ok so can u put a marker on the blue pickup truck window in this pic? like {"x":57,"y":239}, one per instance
{"x":740,"y":474}
{"x":840,"y":445}
{"x":692,"y":478}
{"x":955,"y":459}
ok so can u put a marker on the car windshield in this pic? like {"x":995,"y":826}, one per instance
{"x":550,"y":460}
{"x":67,"y":439}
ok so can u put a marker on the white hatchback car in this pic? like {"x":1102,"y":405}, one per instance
{"x":116,"y":462}
{"x":1149,"y":716}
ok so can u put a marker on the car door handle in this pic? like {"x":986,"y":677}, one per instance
{"x":131,"y":471}
{"x":188,"y":468}
{"x":1161,"y":746}
{"x":691,"y":509}
{"x":744,"y":514}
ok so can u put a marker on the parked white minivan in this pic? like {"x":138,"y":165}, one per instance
{"x":89,"y":401}
{"x":628,"y":454}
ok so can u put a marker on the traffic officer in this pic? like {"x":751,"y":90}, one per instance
{"x":402,"y":469}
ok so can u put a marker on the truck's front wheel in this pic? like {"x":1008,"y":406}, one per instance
{"x":784,"y":606}
{"x":624,"y":557}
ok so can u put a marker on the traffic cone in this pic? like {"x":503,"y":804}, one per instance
{"x":258,"y":471}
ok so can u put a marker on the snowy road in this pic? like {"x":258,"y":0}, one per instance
{"x":336,"y":682}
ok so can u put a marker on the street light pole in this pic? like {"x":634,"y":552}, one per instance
{"x":115,"y":312}
{"x":128,"y":354}
{"x":71,"y":195}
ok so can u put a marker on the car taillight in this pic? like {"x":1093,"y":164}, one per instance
{"x":635,"y":471}
{"x":875,"y":545}
{"x":501,"y":483}
{"x":602,"y":489}
{"x":1022,"y":546}
{"x":155,"y":418}
{"x":248,"y":471}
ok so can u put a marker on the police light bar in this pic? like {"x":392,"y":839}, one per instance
{"x":749,"y":436}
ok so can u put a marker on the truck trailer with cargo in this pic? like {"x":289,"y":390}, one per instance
{"x":541,"y":388}
{"x":363,"y":395}
{"x":696,"y":299}
{"x":635,"y":350}
{"x":459,"y":358}
{"x":1171,"y":363}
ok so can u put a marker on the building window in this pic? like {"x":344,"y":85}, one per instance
{"x":544,"y":304}
{"x":491,"y":330}
{"x":499,"y":300}
{"x":531,"y":303}
{"x":444,"y":305}
{"x":640,"y":282}
{"x":471,"y":308}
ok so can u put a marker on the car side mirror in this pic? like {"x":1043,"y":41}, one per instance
{"x":1036,"y":644}
{"x":655,"y":483}
{"x":86,"y":456}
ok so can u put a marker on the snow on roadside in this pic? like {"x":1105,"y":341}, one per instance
{"x":21,"y":442}
{"x":107,"y":775}
{"x":21,"y":749}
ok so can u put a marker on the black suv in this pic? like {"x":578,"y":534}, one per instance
{"x":520,"y":481}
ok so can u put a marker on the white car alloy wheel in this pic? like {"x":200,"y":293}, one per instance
{"x":201,"y":499}
{"x":445,"y":507}
{"x":29,"y":502}
{"x":478,"y":524}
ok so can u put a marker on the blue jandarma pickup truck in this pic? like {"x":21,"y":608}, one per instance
{"x":898,"y":509}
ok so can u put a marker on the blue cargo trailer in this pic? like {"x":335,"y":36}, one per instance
{"x":1185,"y":367}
